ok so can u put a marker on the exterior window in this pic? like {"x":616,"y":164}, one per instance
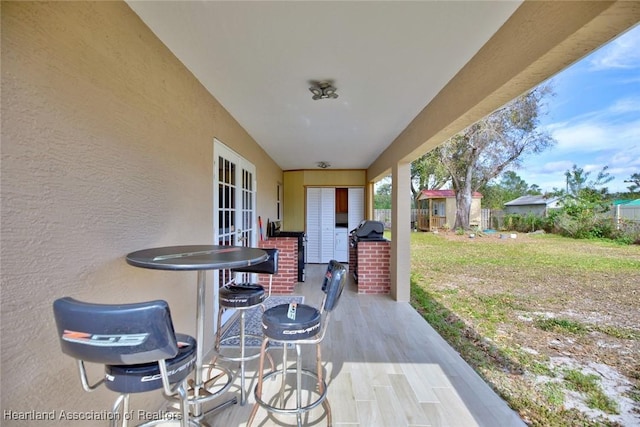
{"x":438,"y":208}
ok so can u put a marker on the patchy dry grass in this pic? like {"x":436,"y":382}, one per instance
{"x":525,"y":311}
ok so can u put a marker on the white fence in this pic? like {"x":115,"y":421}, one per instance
{"x":622,"y":213}
{"x":384,"y":216}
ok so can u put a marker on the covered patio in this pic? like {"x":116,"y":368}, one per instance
{"x":385,"y":367}
{"x":120,"y":120}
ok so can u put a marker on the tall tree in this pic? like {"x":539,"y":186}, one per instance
{"x":635,"y":182}
{"x":534,"y":190}
{"x":382,"y":199}
{"x":578,"y":181}
{"x":511,"y":186}
{"x":428,"y":173}
{"x":485,"y":149}
{"x":514,"y":185}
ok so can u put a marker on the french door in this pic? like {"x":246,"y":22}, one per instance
{"x":234,"y":201}
{"x":234,"y":219}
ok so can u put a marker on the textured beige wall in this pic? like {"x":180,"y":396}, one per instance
{"x":107,"y":147}
{"x":295,"y":183}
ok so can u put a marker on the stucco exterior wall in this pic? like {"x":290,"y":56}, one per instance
{"x":295,"y":183}
{"x":107,"y":147}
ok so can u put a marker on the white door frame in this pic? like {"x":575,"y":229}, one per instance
{"x":234,"y":207}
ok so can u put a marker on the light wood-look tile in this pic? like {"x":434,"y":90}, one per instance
{"x":387,"y":367}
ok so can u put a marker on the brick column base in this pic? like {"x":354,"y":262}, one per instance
{"x":373,"y":267}
{"x":285,"y":281}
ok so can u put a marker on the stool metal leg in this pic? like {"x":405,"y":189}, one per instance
{"x":122,"y":401}
{"x":285,"y":362}
{"x":243,"y":358}
{"x":243,"y":392}
{"x":298,"y":384}
{"x":115,"y":412}
{"x":125,"y":410}
{"x":258,"y":390}
{"x":321,"y":383}
{"x":184,"y":404}
{"x":279,"y":400}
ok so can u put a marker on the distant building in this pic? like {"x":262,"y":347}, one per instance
{"x":536,"y":205}
{"x":437,"y":209}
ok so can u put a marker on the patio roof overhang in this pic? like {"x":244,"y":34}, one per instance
{"x":408,"y":74}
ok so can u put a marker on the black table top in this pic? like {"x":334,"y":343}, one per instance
{"x":196,"y":257}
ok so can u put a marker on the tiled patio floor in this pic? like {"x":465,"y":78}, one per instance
{"x":385,"y":367}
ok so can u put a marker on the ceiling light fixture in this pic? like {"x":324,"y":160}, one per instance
{"x":323,"y":90}
{"x":324,"y":165}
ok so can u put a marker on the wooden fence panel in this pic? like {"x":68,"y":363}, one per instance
{"x":485,"y":219}
{"x":384,"y":216}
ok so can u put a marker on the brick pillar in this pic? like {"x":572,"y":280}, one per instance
{"x":285,"y":281}
{"x":353,"y":255}
{"x":373,"y":267}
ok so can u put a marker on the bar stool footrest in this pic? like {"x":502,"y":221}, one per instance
{"x":168,"y":423}
{"x":293,"y":411}
{"x":211,"y":383}
{"x":227,"y":358}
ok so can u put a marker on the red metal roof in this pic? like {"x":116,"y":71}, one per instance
{"x":441,"y":194}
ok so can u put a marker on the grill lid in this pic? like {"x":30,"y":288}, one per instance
{"x":368,"y":230}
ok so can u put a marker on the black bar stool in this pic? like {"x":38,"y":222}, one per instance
{"x":138,"y":346}
{"x":295,"y":325}
{"x":242,"y":297}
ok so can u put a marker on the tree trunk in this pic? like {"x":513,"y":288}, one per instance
{"x":463,"y":206}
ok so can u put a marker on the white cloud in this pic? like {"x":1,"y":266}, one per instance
{"x":580,"y":137}
{"x":555,"y":167}
{"x":598,"y":131}
{"x":620,"y":53}
{"x":628,"y":157}
{"x":591,"y":142}
{"x":626,"y":105}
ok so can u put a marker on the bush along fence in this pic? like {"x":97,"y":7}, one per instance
{"x":620,"y":223}
{"x":384,"y":216}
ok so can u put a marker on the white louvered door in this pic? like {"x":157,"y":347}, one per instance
{"x":320,"y":224}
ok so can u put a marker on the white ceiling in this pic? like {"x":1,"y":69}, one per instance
{"x":388,"y":59}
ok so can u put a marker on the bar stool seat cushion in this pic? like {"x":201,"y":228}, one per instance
{"x":242,"y":295}
{"x":278,"y":326}
{"x":146,"y":376}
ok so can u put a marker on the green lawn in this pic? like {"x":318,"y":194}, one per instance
{"x":524,"y":312}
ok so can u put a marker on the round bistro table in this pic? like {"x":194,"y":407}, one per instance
{"x":199,"y":258}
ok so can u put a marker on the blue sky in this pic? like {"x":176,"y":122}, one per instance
{"x":594,"y":117}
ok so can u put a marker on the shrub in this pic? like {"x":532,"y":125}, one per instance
{"x":523,"y":223}
{"x":589,"y":225}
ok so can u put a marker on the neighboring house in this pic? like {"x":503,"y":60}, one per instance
{"x":536,"y":205}
{"x":437,"y":209}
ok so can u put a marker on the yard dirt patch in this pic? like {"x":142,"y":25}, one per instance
{"x":536,"y":309}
